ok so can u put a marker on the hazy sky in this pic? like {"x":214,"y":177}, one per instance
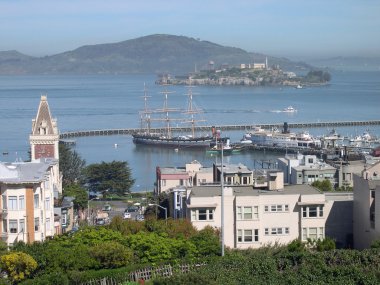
{"x":280,"y":27}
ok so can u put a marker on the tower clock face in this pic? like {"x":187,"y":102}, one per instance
{"x":43,"y":151}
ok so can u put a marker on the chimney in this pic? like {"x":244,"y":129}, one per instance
{"x":275,"y":180}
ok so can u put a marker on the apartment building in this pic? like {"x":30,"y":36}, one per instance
{"x":27,"y":204}
{"x":192,"y":174}
{"x":234,"y":174}
{"x":367,"y":206}
{"x":305,"y":169}
{"x":28,"y":189}
{"x":254,"y":217}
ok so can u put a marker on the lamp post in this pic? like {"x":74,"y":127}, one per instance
{"x":166,"y":211}
{"x":88,"y":209}
{"x":222,"y":200}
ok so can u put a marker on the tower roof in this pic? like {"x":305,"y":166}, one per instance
{"x":44,"y":123}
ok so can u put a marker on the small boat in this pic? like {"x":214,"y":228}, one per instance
{"x":333,"y":136}
{"x":299,"y":86}
{"x":225,"y":146}
{"x":289,"y":109}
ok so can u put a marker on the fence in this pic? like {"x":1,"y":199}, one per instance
{"x":146,"y":274}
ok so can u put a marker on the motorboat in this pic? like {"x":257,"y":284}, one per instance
{"x":289,"y":109}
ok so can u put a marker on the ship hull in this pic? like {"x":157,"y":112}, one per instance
{"x":201,"y":142}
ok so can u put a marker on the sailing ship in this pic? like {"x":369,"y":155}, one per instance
{"x":168,"y":136}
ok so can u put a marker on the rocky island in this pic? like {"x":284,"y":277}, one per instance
{"x":249,"y":75}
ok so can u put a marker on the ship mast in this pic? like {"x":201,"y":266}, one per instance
{"x":145,"y":114}
{"x":191,"y":109}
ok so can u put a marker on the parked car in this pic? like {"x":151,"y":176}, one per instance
{"x":127,"y":215}
{"x":100,"y":222}
{"x":140,"y":218}
{"x":107,"y":208}
{"x":132,"y":209}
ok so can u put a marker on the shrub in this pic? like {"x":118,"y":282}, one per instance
{"x":111,"y":254}
{"x":17,"y":265}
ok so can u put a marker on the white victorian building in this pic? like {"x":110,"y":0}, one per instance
{"x":28,"y":189}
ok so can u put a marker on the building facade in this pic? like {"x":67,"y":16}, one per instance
{"x":278,"y":215}
{"x":305,"y":169}
{"x":192,"y":174}
{"x":28,"y":189}
{"x":367,"y":207}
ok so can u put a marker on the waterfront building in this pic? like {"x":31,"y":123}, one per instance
{"x":28,"y":189}
{"x":192,"y":174}
{"x":367,"y":206}
{"x":234,"y":174}
{"x":305,"y":169}
{"x":278,"y":215}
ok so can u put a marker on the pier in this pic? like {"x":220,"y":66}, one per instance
{"x":107,"y":132}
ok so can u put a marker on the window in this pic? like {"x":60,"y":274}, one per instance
{"x":36,"y":224}
{"x":312,"y":211}
{"x":47,"y":224}
{"x":255,"y":212}
{"x":313,"y":233}
{"x":276,"y":231}
{"x":245,"y":180}
{"x":247,"y":213}
{"x":163,"y":182}
{"x":64,"y":219}
{"x":276,"y":208}
{"x":248,"y":235}
{"x":202,"y":214}
{"x":36,"y":200}
{"x":13,"y":226}
{"x":321,"y":211}
{"x":22,"y":225}
{"x":47,"y":203}
{"x":181,"y":182}
{"x":21,"y":201}
{"x":12,"y":203}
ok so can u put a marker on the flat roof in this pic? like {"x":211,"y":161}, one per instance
{"x":215,"y":190}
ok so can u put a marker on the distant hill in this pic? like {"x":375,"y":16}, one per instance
{"x":349,"y":63}
{"x":176,"y":55}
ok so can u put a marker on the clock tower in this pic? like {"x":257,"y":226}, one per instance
{"x":44,"y":138}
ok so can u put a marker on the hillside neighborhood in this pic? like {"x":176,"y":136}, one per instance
{"x":252,"y":208}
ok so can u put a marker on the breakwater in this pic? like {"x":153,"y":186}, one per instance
{"x":129,"y":131}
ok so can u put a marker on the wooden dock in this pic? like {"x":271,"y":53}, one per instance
{"x":130,"y":131}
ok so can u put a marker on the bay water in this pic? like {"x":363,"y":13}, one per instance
{"x":97,"y":102}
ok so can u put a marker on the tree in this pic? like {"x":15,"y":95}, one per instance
{"x":111,"y":254}
{"x":115,"y":176}
{"x":324,"y":185}
{"x":79,"y":193}
{"x":70,"y":164}
{"x":17,"y":265}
